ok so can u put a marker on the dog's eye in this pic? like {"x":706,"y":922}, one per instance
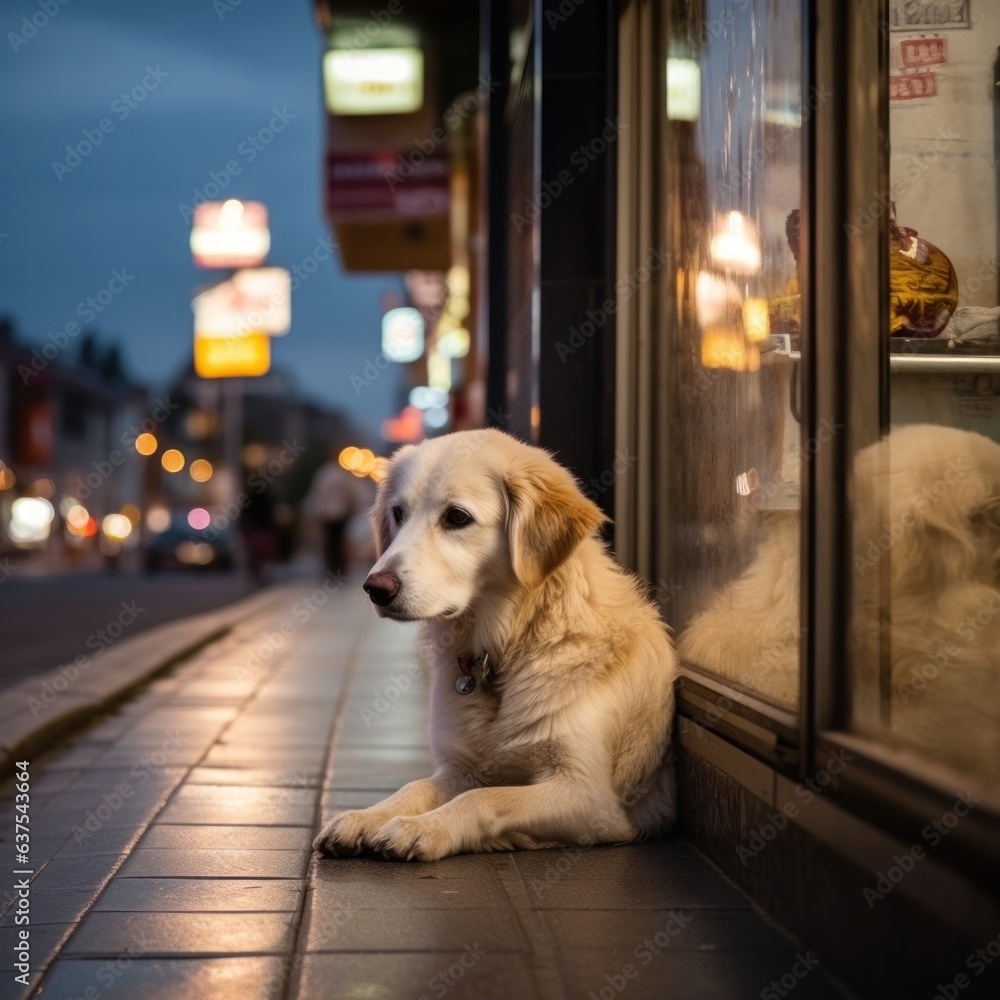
{"x":455,"y":517}
{"x":397,"y":514}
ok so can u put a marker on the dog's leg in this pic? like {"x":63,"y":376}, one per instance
{"x":352,"y":831}
{"x":557,"y":811}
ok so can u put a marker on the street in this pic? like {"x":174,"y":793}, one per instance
{"x":47,"y":621}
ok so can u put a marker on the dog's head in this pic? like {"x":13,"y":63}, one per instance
{"x":462,"y":514}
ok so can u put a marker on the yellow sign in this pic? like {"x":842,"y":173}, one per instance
{"x":232,"y":357}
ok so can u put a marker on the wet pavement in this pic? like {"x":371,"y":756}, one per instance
{"x":170,"y":852}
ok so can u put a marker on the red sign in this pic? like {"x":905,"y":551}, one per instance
{"x":385,"y":186}
{"x":924,"y":51}
{"x":911,"y":86}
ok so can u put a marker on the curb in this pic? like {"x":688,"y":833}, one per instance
{"x":113,"y":675}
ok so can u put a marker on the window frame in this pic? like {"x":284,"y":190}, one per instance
{"x":844,"y":385}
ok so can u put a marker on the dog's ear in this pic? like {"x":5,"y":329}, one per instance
{"x":547,"y":518}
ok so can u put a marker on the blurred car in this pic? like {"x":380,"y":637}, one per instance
{"x":181,"y":546}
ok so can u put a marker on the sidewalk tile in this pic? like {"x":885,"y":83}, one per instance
{"x":656,"y":875}
{"x":395,"y":976}
{"x":371,"y":884}
{"x":200,"y":895}
{"x":244,"y":978}
{"x":254,"y":755}
{"x":692,"y":975}
{"x":153,"y":934}
{"x":680,"y":930}
{"x":273,"y":777}
{"x":202,"y":863}
{"x":412,"y":930}
{"x":250,"y":838}
{"x":225,"y":804}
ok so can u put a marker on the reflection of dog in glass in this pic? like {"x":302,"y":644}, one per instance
{"x":551,"y":676}
{"x":927,"y":540}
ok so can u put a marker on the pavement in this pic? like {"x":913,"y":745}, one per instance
{"x":173,"y":806}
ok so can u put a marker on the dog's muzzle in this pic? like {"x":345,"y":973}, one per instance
{"x":381,"y":588}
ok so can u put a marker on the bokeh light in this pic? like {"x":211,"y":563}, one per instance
{"x":132,"y":513}
{"x":7,"y":477}
{"x":172,"y":460}
{"x":349,"y":457}
{"x":77,"y":517}
{"x":199,"y":518}
{"x":117,"y":527}
{"x":30,"y":520}
{"x":43,"y":488}
{"x":145,"y":444}
{"x":158,"y":520}
{"x":201,"y":470}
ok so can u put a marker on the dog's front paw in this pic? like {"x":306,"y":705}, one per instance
{"x":413,"y":838}
{"x":348,"y":833}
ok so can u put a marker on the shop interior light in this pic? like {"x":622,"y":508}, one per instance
{"x":735,"y":244}
{"x":683,"y":90}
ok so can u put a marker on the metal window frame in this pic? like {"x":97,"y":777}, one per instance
{"x":845,"y":373}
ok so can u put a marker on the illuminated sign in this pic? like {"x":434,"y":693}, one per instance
{"x":683,"y":90}
{"x":253,"y":299}
{"x":232,"y":357}
{"x":373,"y":81}
{"x":374,"y":185}
{"x":230,"y":234}
{"x":402,"y":335}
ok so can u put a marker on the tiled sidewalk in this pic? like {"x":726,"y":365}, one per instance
{"x":170,"y":845}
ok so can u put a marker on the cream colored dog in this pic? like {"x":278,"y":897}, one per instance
{"x":551,"y":675}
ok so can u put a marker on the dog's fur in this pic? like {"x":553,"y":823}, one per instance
{"x":566,"y":737}
{"x":926,"y":581}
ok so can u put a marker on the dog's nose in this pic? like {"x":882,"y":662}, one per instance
{"x":382,"y":588}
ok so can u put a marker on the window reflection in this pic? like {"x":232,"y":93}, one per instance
{"x":732,"y":166}
{"x":927,"y":498}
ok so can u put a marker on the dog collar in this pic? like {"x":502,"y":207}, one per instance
{"x":466,"y":683}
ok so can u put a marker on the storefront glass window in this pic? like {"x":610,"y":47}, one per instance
{"x":927,"y":497}
{"x":735,"y":109}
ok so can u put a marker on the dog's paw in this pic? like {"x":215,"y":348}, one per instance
{"x":413,"y":838}
{"x":348,"y":833}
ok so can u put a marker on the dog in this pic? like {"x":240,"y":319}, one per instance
{"x":551,"y":673}
{"x":926,"y":584}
